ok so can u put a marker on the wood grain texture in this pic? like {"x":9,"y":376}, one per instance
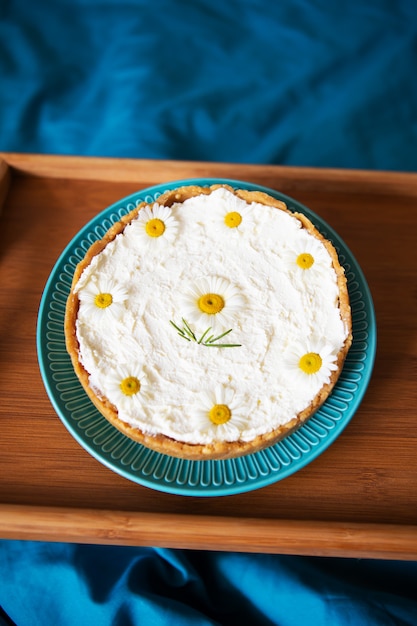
{"x":204,"y":532}
{"x":357,"y":498}
{"x":127,"y":170}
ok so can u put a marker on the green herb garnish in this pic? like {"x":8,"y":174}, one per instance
{"x":205,"y":340}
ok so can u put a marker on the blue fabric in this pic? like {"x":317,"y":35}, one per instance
{"x":303,"y":82}
{"x":292,"y":82}
{"x":69,"y":585}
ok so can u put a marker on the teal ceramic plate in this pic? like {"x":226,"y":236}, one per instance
{"x":197,"y":478}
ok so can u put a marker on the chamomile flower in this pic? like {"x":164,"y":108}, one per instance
{"x":212,"y":302}
{"x":103,"y":299}
{"x":220,"y":413}
{"x":234,"y":214}
{"x":126,"y":387}
{"x":307,"y":254}
{"x":311,"y":364}
{"x":156,"y":226}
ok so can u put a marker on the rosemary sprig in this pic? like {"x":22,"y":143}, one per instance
{"x":210,"y":341}
{"x":185,"y":333}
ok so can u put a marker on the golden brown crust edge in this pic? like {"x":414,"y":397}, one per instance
{"x":161,"y":443}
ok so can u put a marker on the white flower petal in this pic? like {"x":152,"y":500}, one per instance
{"x":218,"y":322}
{"x":231,"y":430}
{"x":310,"y":245}
{"x":112,"y":387}
{"x":88,"y":294}
{"x":314,"y":381}
{"x":159,"y":212}
{"x":230,"y":203}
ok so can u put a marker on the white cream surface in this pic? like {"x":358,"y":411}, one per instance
{"x":283,"y":307}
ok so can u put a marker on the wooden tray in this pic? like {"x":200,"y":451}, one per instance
{"x":358,"y":499}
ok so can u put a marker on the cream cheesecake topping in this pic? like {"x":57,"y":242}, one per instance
{"x":213,"y":319}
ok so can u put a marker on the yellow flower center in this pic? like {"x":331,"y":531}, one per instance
{"x":310,"y":363}
{"x":130,"y":386}
{"x":233,"y":219}
{"x":220,"y":414}
{"x":155,"y":227}
{"x":305,"y":260}
{"x":103,"y":300}
{"x":210,"y":303}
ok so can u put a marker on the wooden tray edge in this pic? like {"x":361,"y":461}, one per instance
{"x":287,"y":178}
{"x":212,"y":533}
{"x":336,"y":539}
{"x":5,"y":179}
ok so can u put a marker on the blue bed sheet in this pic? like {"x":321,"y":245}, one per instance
{"x":290,"y":82}
{"x":68,"y":585}
{"x":300,"y":82}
